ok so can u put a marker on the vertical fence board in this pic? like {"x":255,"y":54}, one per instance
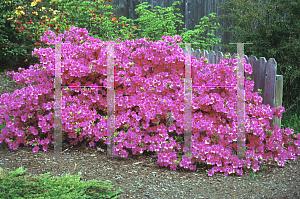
{"x":270,"y":84}
{"x":278,"y":97}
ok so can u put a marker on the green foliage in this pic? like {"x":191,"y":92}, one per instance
{"x":162,"y":21}
{"x":14,"y":186}
{"x":161,"y":16}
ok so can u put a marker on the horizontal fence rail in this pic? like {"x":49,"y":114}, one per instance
{"x":263,"y":74}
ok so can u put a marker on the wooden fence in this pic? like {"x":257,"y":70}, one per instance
{"x":263,"y":75}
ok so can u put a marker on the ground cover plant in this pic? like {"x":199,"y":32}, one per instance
{"x":14,"y":186}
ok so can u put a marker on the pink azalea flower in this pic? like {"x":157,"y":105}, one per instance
{"x":35,"y":149}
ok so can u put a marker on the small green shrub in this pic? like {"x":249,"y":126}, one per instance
{"x":14,"y":186}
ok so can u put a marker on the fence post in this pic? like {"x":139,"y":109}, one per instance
{"x":241,"y":148}
{"x":188,"y":103}
{"x":110,"y":100}
{"x":57,"y":115}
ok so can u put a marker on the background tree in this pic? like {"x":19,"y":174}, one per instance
{"x":273,"y":37}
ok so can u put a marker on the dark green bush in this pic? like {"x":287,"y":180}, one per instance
{"x":13,"y":52}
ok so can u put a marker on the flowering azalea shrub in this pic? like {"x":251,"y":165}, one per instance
{"x":149,"y":78}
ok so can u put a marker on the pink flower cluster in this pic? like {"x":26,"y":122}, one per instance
{"x":154,"y":72}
